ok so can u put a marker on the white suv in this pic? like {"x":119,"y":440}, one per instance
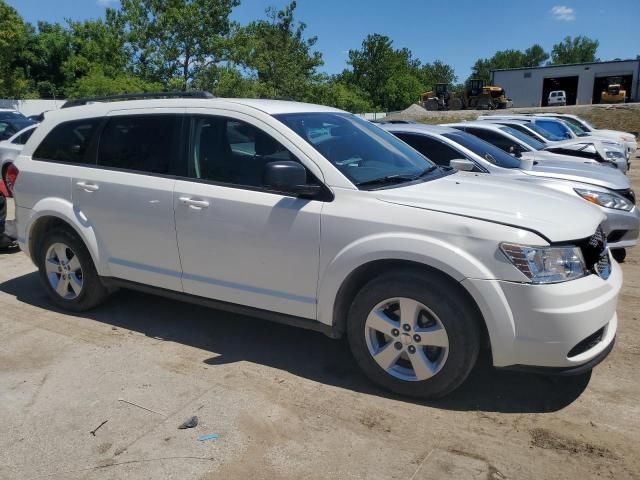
{"x":314,"y":217}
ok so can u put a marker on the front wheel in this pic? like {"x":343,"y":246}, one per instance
{"x":414,"y":333}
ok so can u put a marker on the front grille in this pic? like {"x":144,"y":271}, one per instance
{"x":587,"y":344}
{"x":596,"y":254}
{"x":629,"y":194}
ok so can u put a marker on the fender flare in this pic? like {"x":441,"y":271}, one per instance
{"x":65,"y":211}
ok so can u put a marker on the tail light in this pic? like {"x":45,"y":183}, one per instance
{"x":10,"y":177}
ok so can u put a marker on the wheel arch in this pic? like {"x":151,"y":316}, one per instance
{"x":362,"y":274}
{"x":55,"y":214}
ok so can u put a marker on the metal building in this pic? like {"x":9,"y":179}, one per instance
{"x":583,"y":82}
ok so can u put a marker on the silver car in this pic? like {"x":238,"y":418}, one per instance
{"x":606,"y":187}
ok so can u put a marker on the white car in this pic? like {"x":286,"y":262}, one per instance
{"x":311,"y":216}
{"x":9,"y":151}
{"x":555,"y":134}
{"x":557,"y":98}
{"x":629,"y":139}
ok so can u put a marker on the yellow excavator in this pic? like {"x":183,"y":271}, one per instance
{"x":476,"y":95}
{"x":614,"y":92}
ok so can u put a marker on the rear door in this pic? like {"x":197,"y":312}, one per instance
{"x":128,"y":196}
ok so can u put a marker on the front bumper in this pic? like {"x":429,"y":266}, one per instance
{"x":622,"y":228}
{"x":539,"y":325}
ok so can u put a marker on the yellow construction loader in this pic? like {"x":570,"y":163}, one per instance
{"x":613,"y":93}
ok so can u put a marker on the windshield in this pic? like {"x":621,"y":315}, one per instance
{"x":554,"y":127}
{"x":12,"y":115}
{"x":363,"y":152}
{"x":528,"y":139}
{"x":489,"y":152}
{"x":575,"y":129}
{"x":544,"y":133}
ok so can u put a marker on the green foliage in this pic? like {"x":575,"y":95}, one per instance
{"x":574,"y":50}
{"x":281,"y":57}
{"x":96,"y":83}
{"x":14,"y":36}
{"x":172,"y":40}
{"x":533,"y":56}
{"x":340,"y":94}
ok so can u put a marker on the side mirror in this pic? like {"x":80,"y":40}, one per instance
{"x":515,"y":150}
{"x":289,"y":177}
{"x":462,"y":164}
{"x":526,"y":163}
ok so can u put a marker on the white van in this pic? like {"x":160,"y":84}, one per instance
{"x":557,"y":97}
{"x":311,"y":216}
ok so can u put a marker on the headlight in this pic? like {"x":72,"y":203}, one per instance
{"x":546,"y":264}
{"x":612,"y":154}
{"x":606,"y":199}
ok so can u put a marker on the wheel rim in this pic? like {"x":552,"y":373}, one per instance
{"x":406,"y":339}
{"x":64,"y":271}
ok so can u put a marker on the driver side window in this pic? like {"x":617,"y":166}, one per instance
{"x":231,"y":151}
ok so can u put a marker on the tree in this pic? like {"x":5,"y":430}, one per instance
{"x":172,"y":40}
{"x":436,"y":72}
{"x":14,"y":35}
{"x":281,"y":57}
{"x":533,"y":56}
{"x":96,"y":83}
{"x":574,"y":50}
{"x":380,"y":70}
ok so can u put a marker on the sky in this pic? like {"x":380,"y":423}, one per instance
{"x":456,"y":32}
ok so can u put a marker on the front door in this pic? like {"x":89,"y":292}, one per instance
{"x":239,"y":242}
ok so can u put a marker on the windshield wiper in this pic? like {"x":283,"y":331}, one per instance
{"x":397,"y":178}
{"x":389,"y":179}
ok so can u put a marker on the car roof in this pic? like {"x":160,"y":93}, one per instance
{"x":474,"y":123}
{"x":418,"y":128}
{"x":271,"y":107}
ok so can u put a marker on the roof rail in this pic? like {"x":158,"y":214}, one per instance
{"x":137,"y":96}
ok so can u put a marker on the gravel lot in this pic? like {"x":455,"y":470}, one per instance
{"x":286,"y":403}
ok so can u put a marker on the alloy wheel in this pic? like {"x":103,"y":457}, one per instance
{"x":64,"y":271}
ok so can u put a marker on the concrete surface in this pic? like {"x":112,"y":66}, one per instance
{"x":286,"y":403}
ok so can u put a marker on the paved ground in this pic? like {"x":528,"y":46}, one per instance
{"x":286,"y":403}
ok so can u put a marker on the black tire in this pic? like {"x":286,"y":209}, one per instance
{"x":619,"y":254}
{"x":93,"y":292}
{"x":443,"y":297}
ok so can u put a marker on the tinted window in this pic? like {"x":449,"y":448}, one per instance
{"x":231,"y":151}
{"x":523,"y":137}
{"x":22,"y":139}
{"x":433,"y":149}
{"x":68,"y":142}
{"x":494,"y":138}
{"x":144,"y":143}
{"x":555,"y":128}
{"x":362,"y":151}
{"x":484,"y":149}
{"x":12,"y":115}
{"x":4,"y":129}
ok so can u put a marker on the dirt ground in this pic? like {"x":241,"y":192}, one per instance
{"x":625,"y":117}
{"x":286,"y":403}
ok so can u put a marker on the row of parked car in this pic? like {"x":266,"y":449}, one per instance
{"x":420,"y":244}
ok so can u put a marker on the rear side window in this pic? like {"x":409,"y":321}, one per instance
{"x":68,"y":142}
{"x":22,"y":139}
{"x":143,"y":143}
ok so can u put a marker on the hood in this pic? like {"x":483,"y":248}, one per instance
{"x":566,"y":167}
{"x":614,"y":135}
{"x":554,"y":215}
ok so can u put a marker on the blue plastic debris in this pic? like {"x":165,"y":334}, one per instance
{"x":211,"y":436}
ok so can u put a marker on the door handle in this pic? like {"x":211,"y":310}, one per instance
{"x":88,"y":187}
{"x":194,"y":203}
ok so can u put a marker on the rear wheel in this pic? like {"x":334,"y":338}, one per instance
{"x":432,"y":105}
{"x":455,"y":104}
{"x":67,"y":272}
{"x":414,"y":333}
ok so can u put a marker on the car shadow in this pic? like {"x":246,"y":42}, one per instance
{"x":232,"y":338}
